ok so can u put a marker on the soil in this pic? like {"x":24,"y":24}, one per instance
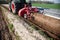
{"x":4,"y":31}
{"x":48,"y":23}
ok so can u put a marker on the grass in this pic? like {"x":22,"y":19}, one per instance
{"x":11,"y":27}
{"x":18,"y":37}
{"x":54,"y":6}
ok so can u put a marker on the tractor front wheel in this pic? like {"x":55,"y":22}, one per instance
{"x":25,"y":16}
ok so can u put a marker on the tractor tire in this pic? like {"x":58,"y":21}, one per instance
{"x":10,"y":7}
{"x":13,"y":7}
{"x":10,"y":10}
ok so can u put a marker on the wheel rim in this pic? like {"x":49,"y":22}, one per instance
{"x":13,"y":7}
{"x":25,"y":16}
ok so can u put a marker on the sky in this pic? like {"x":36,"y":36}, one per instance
{"x":55,"y":1}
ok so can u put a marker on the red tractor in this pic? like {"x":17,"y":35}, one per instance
{"x":22,"y":7}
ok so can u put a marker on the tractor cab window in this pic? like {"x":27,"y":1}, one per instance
{"x":28,"y":1}
{"x":17,"y":1}
{"x":23,"y":1}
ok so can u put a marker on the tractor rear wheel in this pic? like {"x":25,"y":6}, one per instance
{"x":10,"y":7}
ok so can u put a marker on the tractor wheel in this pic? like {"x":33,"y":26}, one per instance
{"x":10,"y":10}
{"x":13,"y":7}
{"x":25,"y":16}
{"x":10,"y":7}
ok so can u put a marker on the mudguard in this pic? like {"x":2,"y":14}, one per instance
{"x":23,"y":11}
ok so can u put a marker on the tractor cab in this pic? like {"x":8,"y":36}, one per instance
{"x":16,"y":5}
{"x":21,"y":7}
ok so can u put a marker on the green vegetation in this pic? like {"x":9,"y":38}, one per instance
{"x":11,"y":26}
{"x":18,"y":37}
{"x":54,"y":6}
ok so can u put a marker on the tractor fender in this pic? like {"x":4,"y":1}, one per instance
{"x":23,"y":11}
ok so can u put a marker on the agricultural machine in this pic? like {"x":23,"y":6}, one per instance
{"x":25,"y":9}
{"x":22,"y":7}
